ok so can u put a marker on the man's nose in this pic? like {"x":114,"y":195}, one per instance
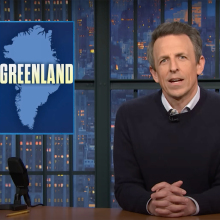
{"x":173,"y":66}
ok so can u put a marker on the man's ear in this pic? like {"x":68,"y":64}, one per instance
{"x":200,"y":66}
{"x":154,"y":74}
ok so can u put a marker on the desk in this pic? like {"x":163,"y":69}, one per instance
{"x":66,"y":213}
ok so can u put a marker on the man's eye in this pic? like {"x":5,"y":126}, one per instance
{"x":163,"y":61}
{"x":182,"y":57}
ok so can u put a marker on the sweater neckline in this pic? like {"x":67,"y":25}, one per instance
{"x":185,"y":116}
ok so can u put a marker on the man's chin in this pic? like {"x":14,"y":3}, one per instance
{"x":177,"y":96}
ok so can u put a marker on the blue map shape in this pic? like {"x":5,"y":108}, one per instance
{"x":32,"y":46}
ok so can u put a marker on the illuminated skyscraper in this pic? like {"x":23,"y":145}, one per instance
{"x":57,"y":152}
{"x":197,"y":13}
{"x":7,"y":149}
{"x":31,"y":151}
{"x":56,"y":10}
{"x":30,"y":10}
{"x":6,"y":10}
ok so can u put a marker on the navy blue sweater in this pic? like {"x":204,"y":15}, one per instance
{"x":149,"y":148}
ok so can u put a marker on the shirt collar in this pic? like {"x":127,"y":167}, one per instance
{"x":190,"y":105}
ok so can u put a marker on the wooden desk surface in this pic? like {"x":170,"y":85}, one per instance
{"x":63,"y":213}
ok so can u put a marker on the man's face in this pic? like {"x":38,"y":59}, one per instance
{"x":176,"y":67}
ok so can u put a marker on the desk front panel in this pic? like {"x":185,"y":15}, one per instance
{"x":67,"y":213}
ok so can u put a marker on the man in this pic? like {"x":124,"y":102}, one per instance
{"x":167,"y":145}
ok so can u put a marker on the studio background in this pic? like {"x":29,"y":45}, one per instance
{"x":111,"y":67}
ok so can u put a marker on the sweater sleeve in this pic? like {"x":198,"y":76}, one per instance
{"x":130,"y":190}
{"x":209,"y":200}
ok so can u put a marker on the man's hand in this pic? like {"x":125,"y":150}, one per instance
{"x":169,"y":201}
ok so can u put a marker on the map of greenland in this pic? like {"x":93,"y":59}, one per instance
{"x":31,"y":47}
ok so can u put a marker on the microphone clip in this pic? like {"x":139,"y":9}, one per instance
{"x":173,"y":115}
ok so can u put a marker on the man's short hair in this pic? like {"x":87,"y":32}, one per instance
{"x":175,"y":28}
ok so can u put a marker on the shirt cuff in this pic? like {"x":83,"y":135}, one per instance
{"x":196,"y":204}
{"x":147,"y":207}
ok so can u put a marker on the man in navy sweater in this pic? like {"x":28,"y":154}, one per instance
{"x":167,"y":145}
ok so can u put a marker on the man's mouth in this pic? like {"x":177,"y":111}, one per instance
{"x":177,"y":80}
